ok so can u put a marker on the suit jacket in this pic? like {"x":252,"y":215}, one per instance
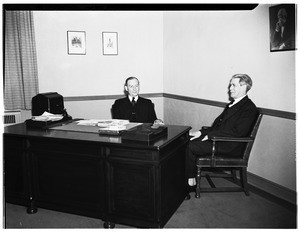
{"x":144,"y":110}
{"x":236,"y":121}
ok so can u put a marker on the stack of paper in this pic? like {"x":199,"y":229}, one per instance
{"x":112,"y":124}
{"x":46,"y":116}
{"x":88,"y":122}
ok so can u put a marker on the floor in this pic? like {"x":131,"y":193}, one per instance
{"x":211,"y":210}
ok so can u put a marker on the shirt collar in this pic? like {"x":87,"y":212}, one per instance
{"x":130,"y":98}
{"x":237,"y":100}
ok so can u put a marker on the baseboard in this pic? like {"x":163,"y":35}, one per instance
{"x":275,"y":192}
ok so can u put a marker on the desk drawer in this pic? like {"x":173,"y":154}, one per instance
{"x":132,"y":154}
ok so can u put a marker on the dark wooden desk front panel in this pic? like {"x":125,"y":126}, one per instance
{"x":104,"y":177}
{"x":69,"y":176}
{"x":16,"y":170}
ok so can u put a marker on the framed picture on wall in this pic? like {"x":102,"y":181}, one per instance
{"x":76,"y":43}
{"x":110,"y":43}
{"x":282,"y":27}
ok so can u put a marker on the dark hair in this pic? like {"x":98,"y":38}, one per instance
{"x":131,"y":78}
{"x":244,"y":79}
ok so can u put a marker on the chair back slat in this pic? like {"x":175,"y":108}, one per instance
{"x":252,"y":135}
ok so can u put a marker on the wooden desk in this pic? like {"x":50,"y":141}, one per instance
{"x":103,"y":177}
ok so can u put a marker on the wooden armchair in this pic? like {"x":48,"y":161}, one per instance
{"x":215,"y":162}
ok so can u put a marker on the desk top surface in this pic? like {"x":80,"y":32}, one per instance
{"x":21,"y":130}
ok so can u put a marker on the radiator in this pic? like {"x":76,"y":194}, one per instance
{"x":11,"y":117}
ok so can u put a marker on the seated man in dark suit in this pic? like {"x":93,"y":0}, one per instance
{"x":235,"y":121}
{"x":134,"y":107}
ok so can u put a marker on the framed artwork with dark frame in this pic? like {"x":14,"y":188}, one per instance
{"x":76,"y":43}
{"x":282,"y":27}
{"x":110,"y":43}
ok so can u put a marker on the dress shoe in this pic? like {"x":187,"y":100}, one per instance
{"x":190,"y":189}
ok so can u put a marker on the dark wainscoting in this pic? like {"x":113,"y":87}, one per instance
{"x":272,"y":191}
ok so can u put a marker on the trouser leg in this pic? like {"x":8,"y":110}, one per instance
{"x":197,"y":148}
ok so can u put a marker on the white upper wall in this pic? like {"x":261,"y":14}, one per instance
{"x":190,"y":53}
{"x":140,"y":52}
{"x":203,"y":49}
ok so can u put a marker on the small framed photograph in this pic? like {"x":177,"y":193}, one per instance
{"x":76,"y":43}
{"x":110,"y":43}
{"x":282,"y":27}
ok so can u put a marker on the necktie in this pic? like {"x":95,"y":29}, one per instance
{"x":133,"y":102}
{"x":133,"y":114}
{"x":231,"y":104}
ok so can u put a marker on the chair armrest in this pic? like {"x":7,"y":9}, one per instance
{"x":232,"y":139}
{"x":205,"y":127}
{"x":226,"y":139}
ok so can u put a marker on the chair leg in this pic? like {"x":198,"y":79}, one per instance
{"x":244,"y":180}
{"x":233,"y":173}
{"x":198,"y":178}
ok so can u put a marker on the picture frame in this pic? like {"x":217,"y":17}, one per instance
{"x":282,"y":27}
{"x":110,"y":43}
{"x":76,"y":42}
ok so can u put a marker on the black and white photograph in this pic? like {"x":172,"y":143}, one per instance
{"x":283,"y":27}
{"x":149,"y":116}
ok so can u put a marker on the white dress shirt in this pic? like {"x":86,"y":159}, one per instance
{"x":135,"y":98}
{"x":236,"y":101}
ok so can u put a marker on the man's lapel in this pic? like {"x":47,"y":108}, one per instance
{"x":235,"y":108}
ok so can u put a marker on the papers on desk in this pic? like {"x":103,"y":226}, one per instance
{"x":88,"y":122}
{"x":101,"y":127}
{"x":112,"y":123}
{"x":46,"y":116}
{"x":112,"y":126}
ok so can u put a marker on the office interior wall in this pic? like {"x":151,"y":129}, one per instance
{"x":102,"y":109}
{"x":202,"y":50}
{"x":139,"y":54}
{"x":185,"y":53}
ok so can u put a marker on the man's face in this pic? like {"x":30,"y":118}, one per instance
{"x":281,"y":17}
{"x":132,"y":87}
{"x":236,"y":89}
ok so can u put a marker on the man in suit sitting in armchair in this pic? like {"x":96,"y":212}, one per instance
{"x":235,"y":121}
{"x":134,"y":107}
